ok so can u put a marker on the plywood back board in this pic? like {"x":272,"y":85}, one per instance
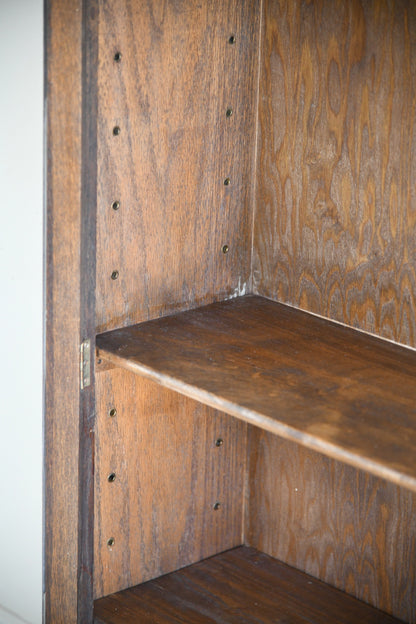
{"x":335,"y":223}
{"x":169,"y":92}
{"x":343,"y":526}
{"x":169,"y":474}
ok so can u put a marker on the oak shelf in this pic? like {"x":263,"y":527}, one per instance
{"x":341,"y":392}
{"x":240,"y":586}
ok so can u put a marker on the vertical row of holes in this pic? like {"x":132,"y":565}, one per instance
{"x":115,"y":205}
{"x":228,"y":113}
{"x":112,"y":413}
{"x":219,"y":442}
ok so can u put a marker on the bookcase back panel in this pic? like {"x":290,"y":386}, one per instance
{"x":342,"y":525}
{"x":335,"y":223}
{"x":162,"y":463}
{"x":177,"y":88}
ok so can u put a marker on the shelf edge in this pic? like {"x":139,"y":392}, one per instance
{"x":262,"y":421}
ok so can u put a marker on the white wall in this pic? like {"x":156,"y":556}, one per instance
{"x":21,"y":233}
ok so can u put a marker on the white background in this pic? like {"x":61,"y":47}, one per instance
{"x":21,"y":270}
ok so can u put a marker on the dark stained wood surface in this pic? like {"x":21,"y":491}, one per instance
{"x":87,"y":308}
{"x":241,"y":586}
{"x":63,"y":54}
{"x":336,"y":196}
{"x":344,"y":526}
{"x":169,"y":473}
{"x":169,"y":93}
{"x":328,"y":387}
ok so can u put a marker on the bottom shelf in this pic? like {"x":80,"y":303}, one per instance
{"x":240,"y":586}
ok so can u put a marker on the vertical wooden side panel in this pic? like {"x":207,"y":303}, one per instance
{"x":343,"y":526}
{"x":166,"y":94}
{"x":159,"y":474}
{"x":87,"y":307}
{"x":63,"y":129}
{"x":335,"y":227}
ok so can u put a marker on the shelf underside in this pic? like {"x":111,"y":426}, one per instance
{"x":341,"y":392}
{"x":240,"y":586}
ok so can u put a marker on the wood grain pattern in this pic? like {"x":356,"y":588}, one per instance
{"x":169,"y":94}
{"x":336,"y":201}
{"x":169,"y":475}
{"x":328,"y":387}
{"x":63,"y":124}
{"x":87,"y":309}
{"x":240,"y":586}
{"x":351,"y":530}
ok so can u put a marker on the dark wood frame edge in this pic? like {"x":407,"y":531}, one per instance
{"x":70,"y":92}
{"x":87,"y":306}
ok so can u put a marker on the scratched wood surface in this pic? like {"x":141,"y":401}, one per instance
{"x":335,"y":224}
{"x":325,"y":386}
{"x":241,"y":586}
{"x":169,"y":471}
{"x":169,"y":92}
{"x":346,"y":527}
{"x":63,"y":29}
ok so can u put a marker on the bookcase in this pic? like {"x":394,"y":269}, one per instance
{"x":230,"y":403}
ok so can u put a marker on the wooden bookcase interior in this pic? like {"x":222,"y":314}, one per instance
{"x":256,"y":207}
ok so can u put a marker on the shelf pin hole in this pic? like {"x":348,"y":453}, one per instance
{"x":116,"y":130}
{"x":114,"y":275}
{"x":217,"y":506}
{"x":231,"y":40}
{"x":115,"y":205}
{"x":227,"y":182}
{"x":229,"y":112}
{"x":112,"y":412}
{"x":111,"y":542}
{"x":225,"y":249}
{"x":117,"y":57}
{"x":111,"y":477}
{"x":219,"y":442}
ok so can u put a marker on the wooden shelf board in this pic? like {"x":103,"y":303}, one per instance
{"x":240,"y":586}
{"x":341,"y":392}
